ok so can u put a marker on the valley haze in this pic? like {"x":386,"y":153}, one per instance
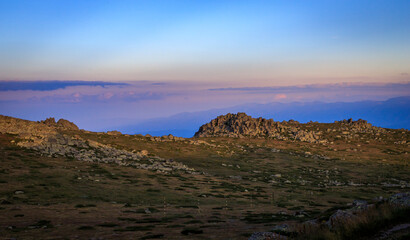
{"x":179,"y":108}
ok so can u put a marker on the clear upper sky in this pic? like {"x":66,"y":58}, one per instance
{"x":269,"y":42}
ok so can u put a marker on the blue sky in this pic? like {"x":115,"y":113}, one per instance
{"x":255,"y":42}
{"x":61,"y":58}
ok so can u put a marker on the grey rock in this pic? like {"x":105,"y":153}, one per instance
{"x":266,"y":236}
{"x":360,"y":204}
{"x":339,"y":218}
{"x":400,"y":199}
{"x":280,"y":228}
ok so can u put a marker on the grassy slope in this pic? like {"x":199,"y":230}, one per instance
{"x":65,"y":197}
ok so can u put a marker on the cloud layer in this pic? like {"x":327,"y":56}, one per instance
{"x":102,"y":106}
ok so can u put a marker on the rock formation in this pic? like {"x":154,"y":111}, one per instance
{"x":241,"y":125}
{"x":66,"y":124}
{"x":62,"y":123}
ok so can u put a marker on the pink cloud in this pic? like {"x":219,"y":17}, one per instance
{"x":280,"y":96}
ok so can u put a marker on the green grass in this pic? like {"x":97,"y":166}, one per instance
{"x":191,"y":231}
{"x":108,"y":225}
{"x":135,"y":228}
{"x":69,"y":188}
{"x":86,"y":228}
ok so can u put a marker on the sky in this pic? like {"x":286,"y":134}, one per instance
{"x":277,"y":42}
{"x":106,"y":64}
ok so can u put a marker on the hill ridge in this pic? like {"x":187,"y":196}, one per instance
{"x":51,"y":138}
{"x":241,"y":125}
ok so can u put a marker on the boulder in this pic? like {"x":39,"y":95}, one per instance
{"x":114,"y":133}
{"x":62,"y":123}
{"x":266,"y":236}
{"x":339,"y":218}
{"x":400,"y":199}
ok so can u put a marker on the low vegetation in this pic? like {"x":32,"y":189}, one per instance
{"x":367,"y":224}
{"x":239,"y":186}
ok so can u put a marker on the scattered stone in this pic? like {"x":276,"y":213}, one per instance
{"x":266,"y":236}
{"x":282,"y":228}
{"x":46,"y":138}
{"x":401,"y":199}
{"x":360,"y":204}
{"x":236,"y":177}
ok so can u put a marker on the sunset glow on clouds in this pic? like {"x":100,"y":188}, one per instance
{"x":145,"y":100}
{"x":205,"y":93}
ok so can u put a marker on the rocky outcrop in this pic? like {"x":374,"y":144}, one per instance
{"x":363,"y":124}
{"x":241,"y":125}
{"x":237,"y":125}
{"x":114,"y":133}
{"x":62,"y":123}
{"x":46,"y":138}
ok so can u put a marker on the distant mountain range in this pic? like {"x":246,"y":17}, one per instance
{"x":392,"y":113}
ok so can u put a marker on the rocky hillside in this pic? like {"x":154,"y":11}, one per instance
{"x":262,"y":180}
{"x":241,"y":125}
{"x":52,"y":139}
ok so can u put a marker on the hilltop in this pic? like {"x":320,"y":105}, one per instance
{"x":241,"y":125}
